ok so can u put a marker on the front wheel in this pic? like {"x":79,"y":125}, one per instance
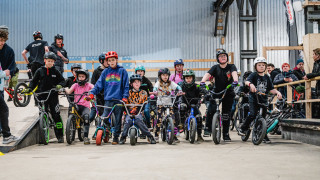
{"x":193,"y":129}
{"x":19,"y":97}
{"x":216,"y":129}
{"x":170,"y":131}
{"x":70,"y":129}
{"x":81,"y":132}
{"x":99,"y":137}
{"x":133,"y":134}
{"x":43,"y":129}
{"x":259,"y":131}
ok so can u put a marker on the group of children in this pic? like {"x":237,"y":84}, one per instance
{"x":110,"y":83}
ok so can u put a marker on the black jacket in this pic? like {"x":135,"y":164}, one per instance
{"x":7,"y":60}
{"x":279,"y":79}
{"x":298,"y":73}
{"x":70,"y":81}
{"x":191,"y":92}
{"x":46,"y":79}
{"x":315,"y":73}
{"x":95,"y":77}
{"x":274,"y":73}
{"x":54,"y":48}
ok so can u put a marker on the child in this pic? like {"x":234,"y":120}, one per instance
{"x":72,"y":80}
{"x":177,"y":76}
{"x":46,"y":78}
{"x":191,"y":90}
{"x":136,"y":96}
{"x":164,"y":87}
{"x":258,"y":82}
{"x":79,"y":88}
{"x":115,"y":83}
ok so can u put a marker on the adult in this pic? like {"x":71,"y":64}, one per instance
{"x":285,"y":76}
{"x":298,"y":71}
{"x":272,"y":71}
{"x":62,"y":55}
{"x":224,"y":75}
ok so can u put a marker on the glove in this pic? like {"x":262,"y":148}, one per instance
{"x":29,"y":66}
{"x":151,"y":96}
{"x":203,"y":85}
{"x":27,"y":90}
{"x":125,"y":100}
{"x":234,"y":84}
{"x":58,"y":87}
{"x":88,"y":98}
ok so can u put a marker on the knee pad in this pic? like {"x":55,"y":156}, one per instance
{"x":59,"y":125}
{"x":86,"y":118}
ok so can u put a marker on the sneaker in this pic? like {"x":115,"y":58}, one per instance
{"x":9,"y":99}
{"x":157,"y":139}
{"x":86,"y":141}
{"x":266,"y":140}
{"x":226,"y":137}
{"x":242,"y":132}
{"x":93,"y":137}
{"x":151,"y":140}
{"x":200,"y":139}
{"x":9,"y":139}
{"x":115,"y":141}
{"x":176,"y":140}
{"x":206,"y":133}
{"x":142,"y":136}
{"x":122,"y":140}
{"x":60,"y":140}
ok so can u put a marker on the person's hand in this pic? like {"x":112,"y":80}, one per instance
{"x":88,"y":98}
{"x":58,"y":87}
{"x":151,"y":96}
{"x":279,"y":95}
{"x":286,"y":79}
{"x":59,"y":54}
{"x":7,"y":72}
{"x":203,"y":85}
{"x":234,"y":84}
{"x":305,"y":78}
{"x":180,"y":93}
{"x":253,"y":88}
{"x":125,"y":100}
{"x":290,"y":79}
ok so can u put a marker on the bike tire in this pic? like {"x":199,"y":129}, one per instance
{"x":216,"y":129}
{"x":43,"y":130}
{"x":170,"y":131}
{"x":20,"y":99}
{"x":259,"y":131}
{"x":186,"y":132}
{"x":163,"y":133}
{"x":99,"y":137}
{"x":81,"y":132}
{"x":246,"y":137}
{"x":70,"y":129}
{"x":193,"y":130}
{"x":132,"y":135}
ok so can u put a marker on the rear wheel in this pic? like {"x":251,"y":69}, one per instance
{"x":70,"y":129}
{"x":259,"y":131}
{"x":43,"y":129}
{"x":170,"y":131}
{"x":99,"y":137}
{"x":133,"y":134}
{"x":193,"y":129}
{"x":246,"y":136}
{"x":216,"y":129}
{"x":185,"y":129}
{"x":20,"y":98}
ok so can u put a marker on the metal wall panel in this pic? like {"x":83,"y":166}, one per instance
{"x":141,"y":29}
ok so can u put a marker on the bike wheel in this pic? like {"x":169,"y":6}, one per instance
{"x":81,"y":132}
{"x":43,"y":129}
{"x":193,"y":130}
{"x":246,"y":137}
{"x":99,"y":137}
{"x":259,"y":131}
{"x":216,"y":129}
{"x":170,"y":131}
{"x":132,"y":135}
{"x":186,"y":132}
{"x":20,"y":99}
{"x":163,"y":133}
{"x":70,"y":129}
{"x":106,"y":138}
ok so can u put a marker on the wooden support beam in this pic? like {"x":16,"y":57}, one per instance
{"x":278,"y":48}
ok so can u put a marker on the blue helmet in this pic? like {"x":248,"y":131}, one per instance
{"x":102,"y":57}
{"x":178,"y":61}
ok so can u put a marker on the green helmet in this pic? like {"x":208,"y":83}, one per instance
{"x":189,"y":72}
{"x":141,"y":68}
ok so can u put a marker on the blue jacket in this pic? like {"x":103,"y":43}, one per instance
{"x":115,"y":83}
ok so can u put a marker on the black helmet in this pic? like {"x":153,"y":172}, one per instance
{"x":189,"y":72}
{"x":134,"y":77}
{"x":50,"y":55}
{"x":58,"y":36}
{"x":75,"y":65}
{"x":37,"y":34}
{"x":85,"y":72}
{"x":246,"y":74}
{"x":163,"y":71}
{"x":222,"y":51}
{"x":102,"y":57}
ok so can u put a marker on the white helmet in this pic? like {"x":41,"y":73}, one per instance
{"x":259,"y":60}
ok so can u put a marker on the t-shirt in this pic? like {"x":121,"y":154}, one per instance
{"x":79,"y":90}
{"x":263,"y":84}
{"x":36,"y":50}
{"x":223,"y":76}
{"x":176,"y":78}
{"x":137,"y":98}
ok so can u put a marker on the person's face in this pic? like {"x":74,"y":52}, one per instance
{"x":223,"y":58}
{"x":136,"y":84}
{"x":81,"y":77}
{"x":140,"y":72}
{"x":285,"y":68}
{"x":2,"y":42}
{"x":49,"y":62}
{"x":188,"y":79}
{"x":315,"y":56}
{"x":270,"y":69}
{"x":300,"y":65}
{"x":112,"y":62}
{"x":74,"y":71}
{"x":164,"y":77}
{"x":179,"y":67}
{"x":261,"y":67}
{"x":59,"y":42}
{"x":105,"y":63}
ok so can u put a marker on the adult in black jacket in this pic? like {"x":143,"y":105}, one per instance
{"x":272,"y":71}
{"x":62,"y":55}
{"x":298,"y":71}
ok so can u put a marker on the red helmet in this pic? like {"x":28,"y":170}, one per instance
{"x":111,"y":54}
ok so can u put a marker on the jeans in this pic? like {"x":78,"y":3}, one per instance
{"x":118,"y":111}
{"x":138,"y":122}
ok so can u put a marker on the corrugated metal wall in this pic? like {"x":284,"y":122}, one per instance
{"x":140,"y":29}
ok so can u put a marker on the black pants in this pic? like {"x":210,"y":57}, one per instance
{"x":34,"y":67}
{"x":253,"y":109}
{"x":4,"y":116}
{"x":84,"y":113}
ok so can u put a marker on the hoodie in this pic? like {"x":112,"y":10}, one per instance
{"x":298,"y":73}
{"x":54,"y":48}
{"x":114,"y":82}
{"x":46,"y":79}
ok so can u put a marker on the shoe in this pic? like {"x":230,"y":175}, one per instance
{"x":200,"y":139}
{"x":142,"y":136}
{"x":176,"y":140}
{"x":226,"y":137}
{"x":242,"y":132}
{"x":115,"y":141}
{"x":9,"y":139}
{"x":86,"y":141}
{"x":93,"y":137}
{"x":157,"y":139}
{"x":60,"y":139}
{"x":266,"y":140}
{"x":9,"y":99}
{"x":206,"y":133}
{"x":151,"y":140}
{"x":122,"y":140}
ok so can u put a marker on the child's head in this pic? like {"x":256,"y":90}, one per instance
{"x":49,"y":59}
{"x":222,"y":56}
{"x":300,"y":64}
{"x":82,"y":76}
{"x":75,"y":67}
{"x":260,"y":64}
{"x":103,"y":61}
{"x":163,"y":74}
{"x":112,"y":58}
{"x":58,"y":39}
{"x":285,"y":67}
{"x":189,"y":77}
{"x":135,"y":81}
{"x":37,"y":35}
{"x":270,"y":68}
{"x":178,"y":65}
{"x":3,"y":37}
{"x":140,"y":70}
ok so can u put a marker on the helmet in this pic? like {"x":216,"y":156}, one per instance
{"x":37,"y":34}
{"x":222,"y":51}
{"x":58,"y":36}
{"x":259,"y":60}
{"x":50,"y":55}
{"x":140,"y":68}
{"x":246,"y":74}
{"x":163,"y":71}
{"x":102,"y":57}
{"x":85,"y":72}
{"x":189,"y":72}
{"x":111,"y":54}
{"x":178,"y":61}
{"x":75,"y":65}
{"x":135,"y":77}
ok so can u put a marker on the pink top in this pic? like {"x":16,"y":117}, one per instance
{"x":177,"y":79}
{"x":79,"y":90}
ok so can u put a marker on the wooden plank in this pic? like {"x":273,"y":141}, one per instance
{"x":309,"y":100}
{"x":220,"y":20}
{"x":276,"y":48}
{"x":289,"y":93}
{"x":297,"y":82}
{"x":220,"y":27}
